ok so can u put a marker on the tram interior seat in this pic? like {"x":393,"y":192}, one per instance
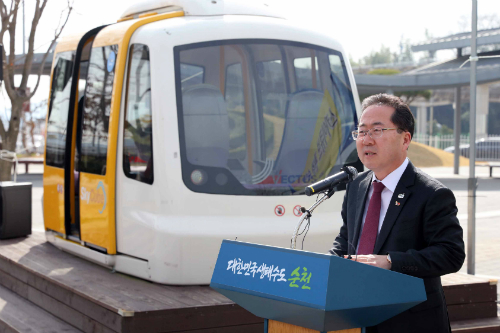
{"x":206,"y":125}
{"x":301,"y":118}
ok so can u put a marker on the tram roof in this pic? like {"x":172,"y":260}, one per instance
{"x":155,"y":7}
{"x":200,"y":8}
{"x":69,"y":42}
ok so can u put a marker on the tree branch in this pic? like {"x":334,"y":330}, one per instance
{"x":28,"y":61}
{"x":11,"y":8}
{"x":18,"y":96}
{"x":57,"y":33}
{"x":2,"y":129}
{"x":11,"y":92}
{"x":3,"y":11}
{"x":12,"y":38}
{"x":6,"y":16}
{"x":5,"y":22}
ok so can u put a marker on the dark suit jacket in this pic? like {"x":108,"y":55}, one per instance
{"x":422,"y":235}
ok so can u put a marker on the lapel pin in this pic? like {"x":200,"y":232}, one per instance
{"x":397,"y":203}
{"x":401,"y":196}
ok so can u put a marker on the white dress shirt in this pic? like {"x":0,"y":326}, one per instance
{"x":390,"y":182}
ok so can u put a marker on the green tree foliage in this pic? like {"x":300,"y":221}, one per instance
{"x":353,"y":62}
{"x":405,"y":53}
{"x":406,"y":96}
{"x":409,"y":96}
{"x":382,"y":56}
{"x":384,"y":71}
{"x":440,"y":129}
{"x":386,"y":56}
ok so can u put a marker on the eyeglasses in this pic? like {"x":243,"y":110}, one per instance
{"x":374,"y":133}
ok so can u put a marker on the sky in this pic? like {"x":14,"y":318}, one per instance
{"x":361,"y":26}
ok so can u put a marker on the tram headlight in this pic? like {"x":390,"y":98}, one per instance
{"x":198,"y":177}
{"x":221,"y":179}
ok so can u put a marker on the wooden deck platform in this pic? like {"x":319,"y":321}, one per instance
{"x":470,"y":297}
{"x":73,"y":295}
{"x":94,"y":299}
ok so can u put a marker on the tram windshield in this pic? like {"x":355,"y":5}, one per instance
{"x":262,"y":117}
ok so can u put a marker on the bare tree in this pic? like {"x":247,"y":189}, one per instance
{"x":30,"y":124}
{"x":18,"y":95}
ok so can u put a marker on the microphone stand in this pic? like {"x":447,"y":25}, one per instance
{"x":307,"y":213}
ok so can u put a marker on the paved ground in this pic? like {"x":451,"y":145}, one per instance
{"x":487,"y":258}
{"x":487,"y":213}
{"x":487,"y":210}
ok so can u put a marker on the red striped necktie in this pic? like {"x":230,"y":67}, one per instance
{"x":370,"y":229}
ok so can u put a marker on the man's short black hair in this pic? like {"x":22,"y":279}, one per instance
{"x":402,"y":116}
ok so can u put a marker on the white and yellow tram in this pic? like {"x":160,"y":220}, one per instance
{"x":188,"y":122}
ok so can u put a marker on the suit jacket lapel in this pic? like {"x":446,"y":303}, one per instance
{"x":362,"y":194}
{"x":398,"y":200}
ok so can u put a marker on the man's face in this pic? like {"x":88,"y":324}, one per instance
{"x":385,"y":154}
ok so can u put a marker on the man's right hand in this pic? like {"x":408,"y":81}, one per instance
{"x":373,"y":260}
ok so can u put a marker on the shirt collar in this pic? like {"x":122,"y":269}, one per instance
{"x":392,"y":179}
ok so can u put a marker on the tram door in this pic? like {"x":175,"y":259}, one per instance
{"x":71,"y":176}
{"x":66,"y":153}
{"x":60,"y":181}
{"x":95,"y":148}
{"x":55,"y":212}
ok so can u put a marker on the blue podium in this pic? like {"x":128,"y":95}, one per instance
{"x":313,"y":291}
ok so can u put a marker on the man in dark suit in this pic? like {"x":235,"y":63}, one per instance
{"x":396,"y":217}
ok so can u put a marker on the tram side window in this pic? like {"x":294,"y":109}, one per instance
{"x":274,"y":96}
{"x":58,"y":110}
{"x":342,"y":88}
{"x":342,"y":95}
{"x":235,"y":104}
{"x":337,"y":66}
{"x":138,"y":131}
{"x":305,"y":76}
{"x":191,"y":75}
{"x":97,"y":109}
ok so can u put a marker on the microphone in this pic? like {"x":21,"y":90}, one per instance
{"x":346,"y":175}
